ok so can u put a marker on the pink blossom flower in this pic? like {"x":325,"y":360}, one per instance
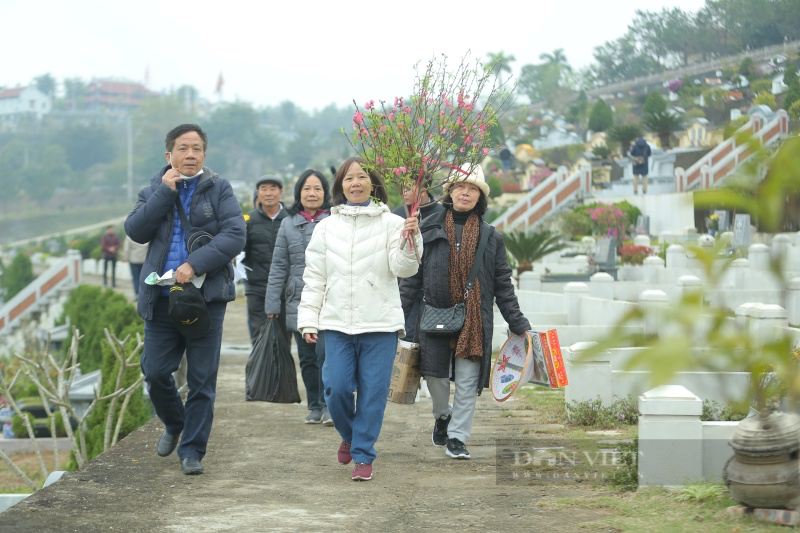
{"x":391,"y":115}
{"x":421,"y":121}
{"x":370,"y":104}
{"x":461,"y":149}
{"x":379,"y":160}
{"x":400,"y":170}
{"x":358,"y":118}
{"x":383,"y":129}
{"x":397,"y":100}
{"x":407,"y":110}
{"x":485,"y":151}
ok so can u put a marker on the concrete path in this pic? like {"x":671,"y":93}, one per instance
{"x":266,"y":470}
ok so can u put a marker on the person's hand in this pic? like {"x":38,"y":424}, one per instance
{"x":184,"y":274}
{"x":411,"y":225}
{"x":310,"y":338}
{"x":274,"y":315}
{"x":171,"y":178}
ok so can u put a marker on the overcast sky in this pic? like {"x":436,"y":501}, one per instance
{"x":310,"y":52}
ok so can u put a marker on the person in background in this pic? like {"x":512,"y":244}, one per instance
{"x":210,"y":205}
{"x":352,"y":264}
{"x":262,"y":229}
{"x":450,"y":242}
{"x":135,"y":254}
{"x":640,"y":156}
{"x":428,"y":206}
{"x":110,"y":244}
{"x":312,"y":199}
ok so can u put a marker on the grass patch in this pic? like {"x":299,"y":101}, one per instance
{"x":10,"y":483}
{"x":663,"y":510}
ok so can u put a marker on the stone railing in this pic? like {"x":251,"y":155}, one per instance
{"x":727,"y":156}
{"x":65,"y":273}
{"x":545,"y":199}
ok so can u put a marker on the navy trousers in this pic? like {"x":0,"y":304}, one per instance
{"x":163,"y":349}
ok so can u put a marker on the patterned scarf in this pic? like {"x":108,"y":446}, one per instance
{"x":469,"y":343}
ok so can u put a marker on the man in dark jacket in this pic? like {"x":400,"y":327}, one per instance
{"x":429,"y":207}
{"x":210,"y":205}
{"x":640,"y":156}
{"x":263,"y":223}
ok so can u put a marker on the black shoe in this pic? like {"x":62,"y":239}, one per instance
{"x":439,"y":436}
{"x":456,"y":449}
{"x":167,"y":443}
{"x":191,"y":466}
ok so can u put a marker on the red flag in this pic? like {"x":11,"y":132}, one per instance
{"x":220,"y":81}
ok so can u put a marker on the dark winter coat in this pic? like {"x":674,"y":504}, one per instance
{"x":641,"y":148}
{"x":262,"y":232}
{"x":432,"y":280}
{"x":214,"y":208}
{"x":288,"y":265}
{"x":424,"y":212}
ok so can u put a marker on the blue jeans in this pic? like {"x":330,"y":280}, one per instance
{"x":311,"y":371}
{"x":360,"y":363}
{"x":136,"y":271}
{"x":163,"y":350}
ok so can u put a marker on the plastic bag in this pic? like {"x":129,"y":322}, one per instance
{"x":270,"y":374}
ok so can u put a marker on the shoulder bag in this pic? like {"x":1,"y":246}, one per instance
{"x":450,"y":320}
{"x":195,"y":237}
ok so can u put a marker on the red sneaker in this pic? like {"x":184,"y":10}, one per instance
{"x":362,"y":472}
{"x":344,"y":453}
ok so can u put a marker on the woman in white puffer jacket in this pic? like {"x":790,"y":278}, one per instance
{"x":352,"y":264}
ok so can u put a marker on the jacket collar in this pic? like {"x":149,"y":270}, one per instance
{"x":372,"y":210}
{"x":432,"y":227}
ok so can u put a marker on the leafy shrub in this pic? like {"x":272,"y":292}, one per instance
{"x":592,"y":413}
{"x":767,"y":99}
{"x":138,"y":411}
{"x":602,"y":151}
{"x":760,"y":86}
{"x":495,"y":187}
{"x":634,"y":255}
{"x":794,"y":110}
{"x":574,"y":224}
{"x":610,"y":221}
{"x":734,"y":125}
{"x":91,"y":310}
{"x":17,"y":275}
{"x":562,"y":154}
{"x":715,"y":412}
{"x":600,"y":117}
{"x":627,"y":476}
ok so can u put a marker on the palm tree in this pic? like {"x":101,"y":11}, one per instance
{"x":663,"y":123}
{"x":558,"y":59}
{"x":624,"y":134}
{"x":498,"y":62}
{"x":526,"y":248}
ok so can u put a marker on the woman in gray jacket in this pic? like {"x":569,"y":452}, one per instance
{"x":311,"y":202}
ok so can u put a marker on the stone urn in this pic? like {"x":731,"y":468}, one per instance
{"x":763,"y":471}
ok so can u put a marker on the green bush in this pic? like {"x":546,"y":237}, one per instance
{"x":574,"y":224}
{"x":592,"y":413}
{"x":794,"y":111}
{"x":655,"y":103}
{"x":627,"y":477}
{"x":91,"y":310}
{"x":715,"y":412}
{"x":760,"y":86}
{"x":767,"y":99}
{"x":17,"y":275}
{"x":138,"y":411}
{"x":495,"y":187}
{"x":734,"y":125}
{"x":601,"y":117}
{"x":562,"y":154}
{"x":18,"y":426}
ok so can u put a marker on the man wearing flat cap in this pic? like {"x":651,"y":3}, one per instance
{"x":262,"y":230}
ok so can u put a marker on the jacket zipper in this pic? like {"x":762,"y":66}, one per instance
{"x":352,"y":288}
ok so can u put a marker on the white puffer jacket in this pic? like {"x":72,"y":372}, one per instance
{"x":352,"y":264}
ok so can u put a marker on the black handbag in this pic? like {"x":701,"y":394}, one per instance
{"x":450,"y":320}
{"x":195,"y":237}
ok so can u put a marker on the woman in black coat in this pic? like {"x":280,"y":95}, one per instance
{"x":450,"y":241}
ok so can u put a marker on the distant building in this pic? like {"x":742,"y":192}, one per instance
{"x":23,"y":102}
{"x":115,"y":95}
